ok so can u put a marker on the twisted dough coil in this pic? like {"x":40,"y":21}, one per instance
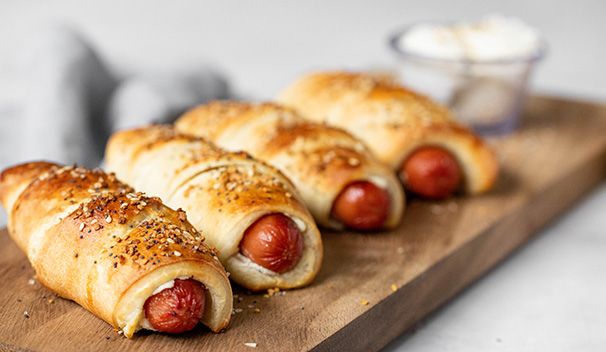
{"x":392,"y":120}
{"x":223,"y":194}
{"x":319,"y":159}
{"x":92,"y":239}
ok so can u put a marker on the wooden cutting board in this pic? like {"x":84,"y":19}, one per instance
{"x":372,"y":287}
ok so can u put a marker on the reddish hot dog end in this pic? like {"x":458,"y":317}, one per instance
{"x":177,"y":309}
{"x":362,"y":205}
{"x":274,"y":242}
{"x":431,"y":172}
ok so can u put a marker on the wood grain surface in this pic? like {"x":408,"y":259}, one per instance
{"x":372,"y":287}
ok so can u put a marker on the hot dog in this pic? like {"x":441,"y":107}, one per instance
{"x":362,"y":205}
{"x":274,"y":242}
{"x":177,"y":309}
{"x":431,"y":172}
{"x":393,"y":121}
{"x":223,"y":193}
{"x":321,"y":160}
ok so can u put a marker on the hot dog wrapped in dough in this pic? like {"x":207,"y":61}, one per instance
{"x":247,"y":209}
{"x":339,"y":179}
{"x":419,"y":139}
{"x":125,"y":257}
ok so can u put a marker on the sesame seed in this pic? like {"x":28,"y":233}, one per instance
{"x":81,"y":226}
{"x":108,"y":219}
{"x":182,"y":215}
{"x":250,"y":344}
{"x":177,"y":254}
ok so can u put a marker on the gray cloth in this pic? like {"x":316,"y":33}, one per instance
{"x":60,"y":115}
{"x":71,"y":101}
{"x":161,"y":98}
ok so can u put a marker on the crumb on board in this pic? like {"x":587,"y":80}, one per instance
{"x":26,"y":314}
{"x":437,"y":209}
{"x":250,"y":344}
{"x":31,"y":281}
{"x":364,"y":302}
{"x":452,"y":207}
{"x":394,"y":288}
{"x":274,"y":291}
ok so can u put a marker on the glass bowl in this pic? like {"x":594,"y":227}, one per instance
{"x":485,"y":95}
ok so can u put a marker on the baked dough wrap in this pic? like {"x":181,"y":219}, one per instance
{"x":320,"y":160}
{"x":92,"y":240}
{"x":392,"y":120}
{"x":223,"y":193}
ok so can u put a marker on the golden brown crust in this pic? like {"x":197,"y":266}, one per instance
{"x":90,"y":238}
{"x":223,"y":193}
{"x":391,"y":120}
{"x":15,"y":179}
{"x":319,"y":159}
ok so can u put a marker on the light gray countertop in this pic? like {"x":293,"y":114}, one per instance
{"x":549,"y":296}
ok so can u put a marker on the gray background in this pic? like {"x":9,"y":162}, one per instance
{"x":262,"y":45}
{"x":549,"y":296}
